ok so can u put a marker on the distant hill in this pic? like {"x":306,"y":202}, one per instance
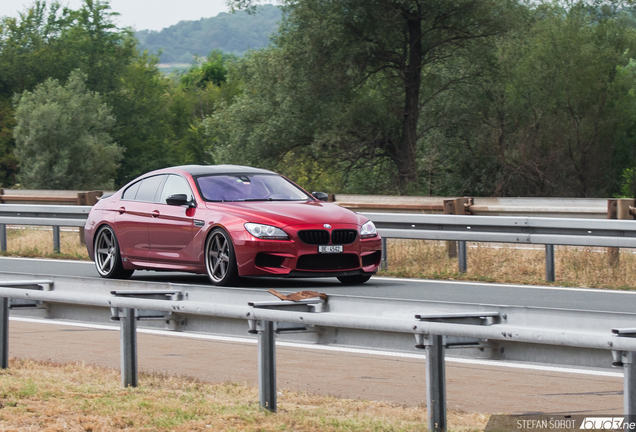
{"x":231,"y":33}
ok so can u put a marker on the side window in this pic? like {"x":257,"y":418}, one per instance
{"x":129,"y":194}
{"x":175,"y":185}
{"x":149,"y":188}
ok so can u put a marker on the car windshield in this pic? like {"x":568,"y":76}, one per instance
{"x":249,"y":187}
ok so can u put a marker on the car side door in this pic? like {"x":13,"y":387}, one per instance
{"x":134,"y":217}
{"x":173,"y":227}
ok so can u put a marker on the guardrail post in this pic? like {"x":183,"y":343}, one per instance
{"x":435,"y":383}
{"x":629,"y":383}
{"x":56,"y":239}
{"x":4,"y":332}
{"x":549,"y":263}
{"x":267,"y":331}
{"x":627,"y":360}
{"x":3,"y":237}
{"x":128,"y":344}
{"x":462,"y":255}
{"x":267,"y":366}
{"x":384,"y":264}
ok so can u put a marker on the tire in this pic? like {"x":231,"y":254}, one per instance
{"x":107,"y":255}
{"x":354,"y":280}
{"x":220,"y":259}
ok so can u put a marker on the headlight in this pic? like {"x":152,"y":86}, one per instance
{"x":368,"y":230}
{"x":265,"y":231}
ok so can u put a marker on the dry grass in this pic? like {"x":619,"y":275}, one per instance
{"x":37,"y":396}
{"x":584,"y":267}
{"x":38,"y":243}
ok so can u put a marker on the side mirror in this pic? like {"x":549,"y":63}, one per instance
{"x":320,"y":196}
{"x":179,"y":200}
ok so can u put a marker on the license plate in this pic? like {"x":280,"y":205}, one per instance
{"x":330,"y":249}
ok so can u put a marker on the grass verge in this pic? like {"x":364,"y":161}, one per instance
{"x":41,"y":396}
{"x":575,"y":266}
{"x":38,"y":243}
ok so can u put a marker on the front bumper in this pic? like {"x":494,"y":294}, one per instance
{"x":295,"y":258}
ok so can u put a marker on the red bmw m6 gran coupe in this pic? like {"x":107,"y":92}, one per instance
{"x":228,"y":221}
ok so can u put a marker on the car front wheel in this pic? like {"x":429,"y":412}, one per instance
{"x":107,"y":255}
{"x":220,"y":260}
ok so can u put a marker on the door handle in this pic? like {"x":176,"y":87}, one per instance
{"x":155,"y":213}
{"x":121,"y":210}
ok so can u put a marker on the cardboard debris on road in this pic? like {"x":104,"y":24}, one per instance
{"x":297,"y":296}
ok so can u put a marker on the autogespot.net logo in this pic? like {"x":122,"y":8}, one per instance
{"x":605,"y":423}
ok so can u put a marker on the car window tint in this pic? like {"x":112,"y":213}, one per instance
{"x":252,"y":187}
{"x":175,"y":185}
{"x":129,"y":194}
{"x":149,"y":188}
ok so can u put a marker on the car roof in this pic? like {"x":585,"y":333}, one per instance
{"x":197,"y":170}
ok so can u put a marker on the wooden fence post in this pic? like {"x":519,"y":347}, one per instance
{"x":87,"y":198}
{"x":456,"y":206}
{"x":618,"y":209}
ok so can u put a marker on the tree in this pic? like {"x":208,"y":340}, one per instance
{"x":63,"y":137}
{"x":50,"y":41}
{"x":397,"y":46}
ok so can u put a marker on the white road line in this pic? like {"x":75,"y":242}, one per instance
{"x":51,"y":260}
{"x":459,"y":360}
{"x":498,"y":285}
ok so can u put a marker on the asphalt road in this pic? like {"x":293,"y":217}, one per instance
{"x":449,"y":291}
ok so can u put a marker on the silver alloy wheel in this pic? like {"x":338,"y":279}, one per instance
{"x":105,"y":251}
{"x":218,"y":259}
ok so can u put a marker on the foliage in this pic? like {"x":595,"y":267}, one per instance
{"x":501,"y":99}
{"x":547,"y":118}
{"x":8,"y":162}
{"x":231,"y":33}
{"x":158,"y":119}
{"x":62,"y":137}
{"x":445,"y":97}
{"x":628,"y":186}
{"x":141,"y":105}
{"x":51,"y":42}
{"x":353,"y":79}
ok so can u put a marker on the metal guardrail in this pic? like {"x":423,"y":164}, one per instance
{"x":499,"y":229}
{"x":433,"y":326}
{"x":55,"y":216}
{"x":505,"y":229}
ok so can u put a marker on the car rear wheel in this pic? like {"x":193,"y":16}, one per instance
{"x":354,"y":280}
{"x":107,"y":255}
{"x":220,"y":259}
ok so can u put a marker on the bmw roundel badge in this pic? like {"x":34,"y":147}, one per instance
{"x":327,"y":226}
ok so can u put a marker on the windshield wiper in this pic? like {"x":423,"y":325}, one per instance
{"x":267,"y":199}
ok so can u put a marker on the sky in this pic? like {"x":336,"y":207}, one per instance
{"x":140,"y":14}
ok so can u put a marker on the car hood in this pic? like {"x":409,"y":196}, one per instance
{"x":288,"y":213}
